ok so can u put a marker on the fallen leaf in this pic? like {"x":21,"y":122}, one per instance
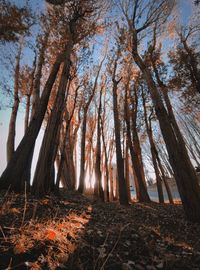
{"x":15,"y":211}
{"x":19,"y":248}
{"x":51,"y":235}
{"x":60,"y":226}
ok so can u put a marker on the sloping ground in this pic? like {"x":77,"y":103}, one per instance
{"x":77,"y":233}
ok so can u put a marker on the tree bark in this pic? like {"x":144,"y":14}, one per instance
{"x":82,"y":164}
{"x":106,"y":162}
{"x":13,"y":117}
{"x":127,"y":172}
{"x":38,"y":75}
{"x":123,"y":197}
{"x":14,"y":172}
{"x":153,"y":152}
{"x":185,"y":175}
{"x":49,"y":147}
{"x":98,"y":188}
{"x":141,"y":190}
{"x":83,"y":136}
{"x":195,"y":77}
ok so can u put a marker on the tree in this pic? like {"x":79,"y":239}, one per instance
{"x":65,"y":157}
{"x":14,"y":21}
{"x":84,"y":128}
{"x":80,"y":15}
{"x":13,"y":118}
{"x":133,"y":140}
{"x":98,"y":188}
{"x":13,"y":175}
{"x":26,"y":88}
{"x":156,"y":12}
{"x":123,"y":197}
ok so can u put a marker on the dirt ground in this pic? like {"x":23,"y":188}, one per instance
{"x":75,"y":232}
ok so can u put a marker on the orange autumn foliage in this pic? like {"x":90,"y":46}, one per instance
{"x":51,"y":235}
{"x":60,"y":226}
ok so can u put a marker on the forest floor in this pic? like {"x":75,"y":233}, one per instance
{"x":75,"y":232}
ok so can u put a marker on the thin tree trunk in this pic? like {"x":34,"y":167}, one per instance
{"x":82,"y":164}
{"x":153,"y":152}
{"x":38,"y":75}
{"x":13,"y":117}
{"x":127,"y":172}
{"x":98,"y":189}
{"x":111,"y":181}
{"x":123,"y":197}
{"x":135,"y":137}
{"x":106,"y":162}
{"x":26,"y":120}
{"x":35,"y":94}
{"x":66,"y":142}
{"x":141,"y":190}
{"x":83,"y":138}
{"x":169,"y":194}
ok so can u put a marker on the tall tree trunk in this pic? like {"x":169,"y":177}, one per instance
{"x":123,"y":197}
{"x":110,"y":167}
{"x":169,"y":194}
{"x":153,"y":151}
{"x":106,"y":162}
{"x":83,"y":133}
{"x":13,"y":117}
{"x":66,"y":150}
{"x":111,"y":197}
{"x":98,"y":188}
{"x":141,"y":190}
{"x":26,"y":120}
{"x":185,"y":175}
{"x":127,"y":172}
{"x":38,"y":75}
{"x":35,"y":94}
{"x":82,"y":164}
{"x":135,"y":137}
{"x":28,"y":95}
{"x":48,"y":149}
{"x":14,"y":172}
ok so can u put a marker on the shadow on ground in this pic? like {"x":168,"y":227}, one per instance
{"x":75,"y":232}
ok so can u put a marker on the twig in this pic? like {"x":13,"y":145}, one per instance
{"x":25,"y":204}
{"x":121,"y":230}
{"x":100,"y":253}
{"x":7,"y":191}
{"x":9,"y":266}
{"x":2,"y":233}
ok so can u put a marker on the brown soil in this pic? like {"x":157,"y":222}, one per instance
{"x":75,"y":232}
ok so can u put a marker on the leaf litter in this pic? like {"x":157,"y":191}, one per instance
{"x":76,"y":232}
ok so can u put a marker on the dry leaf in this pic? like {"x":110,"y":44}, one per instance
{"x":51,"y":235}
{"x":60,"y":226}
{"x":19,"y":248}
{"x":15,"y":211}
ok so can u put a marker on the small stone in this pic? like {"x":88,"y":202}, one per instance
{"x":139,"y":267}
{"x":160,"y":265}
